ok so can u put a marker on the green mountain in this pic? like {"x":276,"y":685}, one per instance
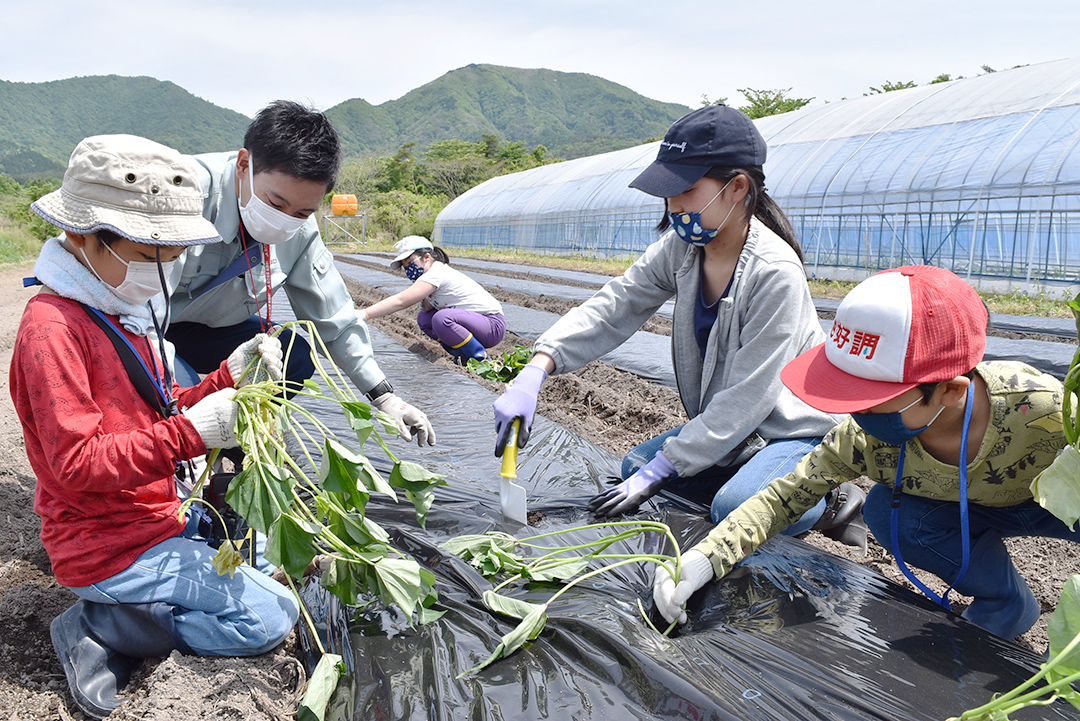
{"x":571,"y":114}
{"x":41,"y":123}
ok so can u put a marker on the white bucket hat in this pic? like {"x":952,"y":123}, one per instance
{"x":142,"y":190}
{"x":409,"y":245}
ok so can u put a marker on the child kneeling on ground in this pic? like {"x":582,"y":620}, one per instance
{"x":104,"y":458}
{"x":454,"y":309}
{"x":953,"y":441}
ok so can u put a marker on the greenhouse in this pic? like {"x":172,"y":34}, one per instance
{"x":979,"y":175}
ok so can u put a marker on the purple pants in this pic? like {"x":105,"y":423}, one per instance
{"x":452,"y":326}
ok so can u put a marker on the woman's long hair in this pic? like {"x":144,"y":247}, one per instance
{"x":758,"y":204}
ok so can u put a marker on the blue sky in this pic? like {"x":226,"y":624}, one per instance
{"x":241,"y":54}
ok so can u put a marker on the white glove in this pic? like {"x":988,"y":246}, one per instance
{"x":214,"y":417}
{"x":261,"y":347}
{"x":669,"y":598}
{"x":409,"y":418}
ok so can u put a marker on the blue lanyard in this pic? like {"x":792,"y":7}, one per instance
{"x":965,"y":539}
{"x":250,"y":258}
{"x":159,"y":387}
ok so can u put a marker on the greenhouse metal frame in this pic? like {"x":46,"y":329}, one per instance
{"x":979,"y":175}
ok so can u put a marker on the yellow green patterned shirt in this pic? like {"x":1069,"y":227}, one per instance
{"x":1023,"y":436}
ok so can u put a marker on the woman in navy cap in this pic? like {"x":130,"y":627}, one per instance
{"x":742,"y":310}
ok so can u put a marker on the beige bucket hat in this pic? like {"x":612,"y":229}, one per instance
{"x":142,"y":190}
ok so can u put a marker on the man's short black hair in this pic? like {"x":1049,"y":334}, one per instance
{"x":296,"y":140}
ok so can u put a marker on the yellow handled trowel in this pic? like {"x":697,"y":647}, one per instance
{"x":511,"y":495}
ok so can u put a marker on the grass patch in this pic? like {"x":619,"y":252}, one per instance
{"x":1017,"y":302}
{"x":17,"y":244}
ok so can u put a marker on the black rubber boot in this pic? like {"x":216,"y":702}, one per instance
{"x":139,"y":630}
{"x":95,"y":672}
{"x":842,"y":520}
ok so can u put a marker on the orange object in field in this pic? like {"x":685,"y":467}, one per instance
{"x":343,"y":205}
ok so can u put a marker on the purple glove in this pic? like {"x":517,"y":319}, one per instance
{"x":635,"y":490}
{"x":518,"y":401}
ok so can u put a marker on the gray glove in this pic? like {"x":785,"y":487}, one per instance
{"x":409,"y":418}
{"x":669,"y":598}
{"x":214,"y":417}
{"x":262,"y":347}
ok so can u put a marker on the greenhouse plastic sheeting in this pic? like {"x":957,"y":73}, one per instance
{"x":979,"y":175}
{"x":793,"y":634}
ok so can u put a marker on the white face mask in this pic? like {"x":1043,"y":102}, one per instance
{"x":141,"y":281}
{"x":266,"y":223}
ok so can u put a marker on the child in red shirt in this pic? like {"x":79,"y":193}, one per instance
{"x":105,"y":458}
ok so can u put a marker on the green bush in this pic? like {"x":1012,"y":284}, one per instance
{"x":21,"y":229}
{"x":398,"y":213}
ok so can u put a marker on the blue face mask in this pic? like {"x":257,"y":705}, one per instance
{"x":688,"y":225}
{"x":889,"y":427}
{"x":413,"y":271}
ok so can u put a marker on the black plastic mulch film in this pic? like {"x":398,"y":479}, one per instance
{"x":794,"y":633}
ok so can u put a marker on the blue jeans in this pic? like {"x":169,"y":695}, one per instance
{"x":200,"y":349}
{"x":245,"y":615}
{"x":724,"y":488}
{"x":929,"y":533}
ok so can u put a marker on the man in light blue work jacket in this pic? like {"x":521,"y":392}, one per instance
{"x":262,"y":200}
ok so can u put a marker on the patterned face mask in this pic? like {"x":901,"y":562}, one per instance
{"x":413,"y":271}
{"x":688,"y":225}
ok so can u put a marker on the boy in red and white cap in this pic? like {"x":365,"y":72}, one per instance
{"x":904,"y":358}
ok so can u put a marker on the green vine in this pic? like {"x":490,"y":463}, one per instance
{"x":1057,"y":489}
{"x":304,"y":516}
{"x":496,"y":554}
{"x":504,"y":369}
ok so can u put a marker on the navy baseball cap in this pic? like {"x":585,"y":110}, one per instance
{"x":709,"y":137}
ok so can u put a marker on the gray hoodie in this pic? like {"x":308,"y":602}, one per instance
{"x":766,"y":319}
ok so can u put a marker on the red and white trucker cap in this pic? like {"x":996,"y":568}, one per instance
{"x":895,"y":330}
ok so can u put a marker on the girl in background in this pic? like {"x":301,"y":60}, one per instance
{"x":454,"y":309}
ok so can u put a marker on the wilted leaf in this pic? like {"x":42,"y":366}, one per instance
{"x":529,"y":628}
{"x":324,"y":679}
{"x":560,"y":572}
{"x":468,"y":545}
{"x":511,"y":606}
{"x":227,"y":559}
